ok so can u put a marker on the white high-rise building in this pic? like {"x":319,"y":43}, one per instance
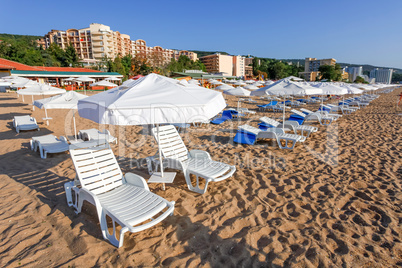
{"x":382,"y":75}
{"x":354,"y":72}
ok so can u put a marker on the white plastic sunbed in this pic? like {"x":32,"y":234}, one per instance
{"x":196,"y":162}
{"x":274,"y":133}
{"x":125,"y":199}
{"x":326,"y":114}
{"x":24,"y":122}
{"x":94,"y":134}
{"x":291,"y":125}
{"x":323,"y":120}
{"x":49,"y":144}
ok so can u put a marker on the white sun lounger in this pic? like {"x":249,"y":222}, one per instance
{"x":274,"y":133}
{"x":195,"y":162}
{"x":326,"y":114}
{"x":323,"y":120}
{"x":24,"y":122}
{"x":293,"y":125}
{"x":125,"y":199}
{"x":49,"y":144}
{"x":94,"y":134}
{"x":343,"y":108}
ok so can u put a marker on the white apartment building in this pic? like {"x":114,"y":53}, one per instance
{"x":382,"y":75}
{"x":354,"y":72}
{"x":98,"y":41}
{"x":238,"y":66}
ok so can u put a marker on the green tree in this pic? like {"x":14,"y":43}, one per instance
{"x":360,"y":80}
{"x":70,"y":57}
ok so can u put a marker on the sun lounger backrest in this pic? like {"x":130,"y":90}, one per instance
{"x":97,"y":168}
{"x":306,"y":111}
{"x":269,"y":121}
{"x":170,"y":142}
{"x":298,"y":113}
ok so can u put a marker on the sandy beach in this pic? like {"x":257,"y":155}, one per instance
{"x":334,"y":201}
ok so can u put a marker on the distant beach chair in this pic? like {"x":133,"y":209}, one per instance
{"x":292,"y":125}
{"x":324,"y":113}
{"x":49,"y":144}
{"x":301,"y":118}
{"x":195,"y":162}
{"x":24,"y":122}
{"x":94,"y":134}
{"x":247,"y":134}
{"x":125,"y":199}
{"x":268,"y":106}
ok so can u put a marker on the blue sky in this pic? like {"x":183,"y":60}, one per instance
{"x":353,"y":31}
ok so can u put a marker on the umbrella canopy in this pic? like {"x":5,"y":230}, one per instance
{"x":70,"y":79}
{"x":269,"y":82}
{"x":224,"y":87}
{"x":24,"y":83}
{"x":5,"y":84}
{"x":103,"y":83}
{"x":41,"y":89}
{"x":286,"y":88}
{"x":251,"y":87}
{"x":351,"y":90}
{"x":239,"y":83}
{"x":153,"y":99}
{"x":250,"y":81}
{"x":217,"y":83}
{"x":67,"y":100}
{"x":84,"y":79}
{"x":112,"y":78}
{"x":238,"y":91}
{"x":331,"y":89}
{"x":193,"y":81}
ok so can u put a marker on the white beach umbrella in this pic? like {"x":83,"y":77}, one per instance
{"x":288,"y":88}
{"x":251,"y":87}
{"x":19,"y":83}
{"x":153,"y":99}
{"x":112,"y":78}
{"x":269,"y":82}
{"x":70,"y":79}
{"x":103,"y":83}
{"x":240,"y":83}
{"x":237,"y":91}
{"x":224,"y":87}
{"x":84,"y":79}
{"x":40,"y":89}
{"x":250,"y":81}
{"x":68,"y":100}
{"x":194,"y":82}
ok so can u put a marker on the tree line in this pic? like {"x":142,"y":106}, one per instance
{"x":274,"y":69}
{"x":26,"y":51}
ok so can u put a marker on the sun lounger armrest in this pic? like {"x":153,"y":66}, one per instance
{"x":63,"y":139}
{"x":136,"y":180}
{"x":105,"y":131}
{"x":84,"y":194}
{"x":199,"y":154}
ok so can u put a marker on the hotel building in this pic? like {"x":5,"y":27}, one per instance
{"x":98,"y":41}
{"x":354,"y":72}
{"x":225,"y":64}
{"x":311,"y":67}
{"x":382,"y":75}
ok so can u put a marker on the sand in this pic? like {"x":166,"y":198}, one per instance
{"x":335,"y":201}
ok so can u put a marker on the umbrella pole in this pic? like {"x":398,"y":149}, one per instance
{"x":160,"y":155}
{"x":47,"y":120}
{"x":33,"y":106}
{"x":284,"y":107}
{"x":75,"y":127}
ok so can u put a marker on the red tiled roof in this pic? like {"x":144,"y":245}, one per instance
{"x":66,"y":69}
{"x":12,"y":65}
